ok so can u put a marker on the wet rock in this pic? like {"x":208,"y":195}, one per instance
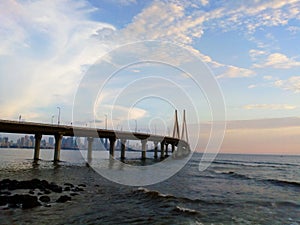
{"x":74,"y":194}
{"x":77,"y":189}
{"x":29,"y":202}
{"x":55,"y":188}
{"x":69,"y":184}
{"x":31,"y":192}
{"x":67,"y":189}
{"x":3,"y":200}
{"x":44,"y":198}
{"x":81,"y":185}
{"x":46,"y":192}
{"x":15,"y":201}
{"x":63,"y":199}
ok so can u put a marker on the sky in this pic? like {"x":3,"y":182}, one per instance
{"x":133,"y":62}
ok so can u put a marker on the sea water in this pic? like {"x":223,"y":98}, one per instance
{"x":235,"y":189}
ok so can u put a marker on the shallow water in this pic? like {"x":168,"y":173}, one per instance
{"x":235,"y":189}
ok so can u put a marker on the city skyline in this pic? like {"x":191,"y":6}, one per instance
{"x":47,"y":48}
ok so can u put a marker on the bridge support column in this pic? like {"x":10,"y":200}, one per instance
{"x":173,"y":148}
{"x":37,"y":146}
{"x":167,"y":146}
{"x":162,"y":149}
{"x":90,"y":148}
{"x":112,"y":146}
{"x":144,"y":149}
{"x":58,"y":138}
{"x":123,"y":146}
{"x":155,"y":149}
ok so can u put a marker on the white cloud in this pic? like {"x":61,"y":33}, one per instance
{"x":277,"y":61}
{"x":268,"y":78}
{"x":235,"y":72}
{"x":255,"y":54}
{"x":291,"y":84}
{"x":270,"y":106}
{"x":252,"y":86}
{"x":293,"y":29}
{"x":43,"y":53}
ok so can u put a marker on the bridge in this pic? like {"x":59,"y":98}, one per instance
{"x":179,"y":146}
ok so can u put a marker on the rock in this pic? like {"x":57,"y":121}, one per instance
{"x":25,"y":201}
{"x":74,"y":194}
{"x":69,"y":184}
{"x":63,"y":199}
{"x":29,"y":202}
{"x":55,"y":188}
{"x":81,"y":185}
{"x":67,"y":189}
{"x":5,"y":193}
{"x":31,"y":192}
{"x":3,"y":200}
{"x":77,"y":189}
{"x":44,"y":198}
{"x":46,"y":192}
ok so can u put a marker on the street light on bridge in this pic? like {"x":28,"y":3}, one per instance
{"x":58,"y":118}
{"x":105,"y":121}
{"x":52,"y":118}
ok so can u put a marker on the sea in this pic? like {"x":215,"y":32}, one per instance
{"x":234,"y":189}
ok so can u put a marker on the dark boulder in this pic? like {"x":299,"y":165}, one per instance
{"x":44,"y":198}
{"x":63,"y":199}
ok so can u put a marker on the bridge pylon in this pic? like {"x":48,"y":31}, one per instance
{"x":176,"y":127}
{"x":184,"y":131}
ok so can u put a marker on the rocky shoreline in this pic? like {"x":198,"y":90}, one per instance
{"x":32,"y":193}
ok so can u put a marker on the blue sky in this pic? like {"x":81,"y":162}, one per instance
{"x":251,"y":47}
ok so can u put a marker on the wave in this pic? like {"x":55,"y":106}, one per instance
{"x":166,"y":197}
{"x":255,"y":164}
{"x":157,"y":194}
{"x":272,"y":181}
{"x":235,"y":175}
{"x":284,"y":182}
{"x":185,"y":210}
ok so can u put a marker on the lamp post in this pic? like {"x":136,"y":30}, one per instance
{"x":105,"y":121}
{"x":58,"y":118}
{"x":52,"y":118}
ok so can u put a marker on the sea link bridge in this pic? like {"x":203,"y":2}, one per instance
{"x":180,"y":146}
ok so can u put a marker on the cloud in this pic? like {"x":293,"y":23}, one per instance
{"x":293,"y":29}
{"x":270,"y":106}
{"x":255,"y":54}
{"x":278,"y":61}
{"x":235,"y":72}
{"x":119,"y":113}
{"x":252,"y":86}
{"x":44,"y":53}
{"x":123,"y":2}
{"x":268,"y":78}
{"x":290,"y":84}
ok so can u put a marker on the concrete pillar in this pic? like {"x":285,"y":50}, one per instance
{"x":144,"y":142}
{"x":37,"y":146}
{"x":173,"y":148}
{"x":58,"y":138}
{"x":155,"y":149}
{"x":112,"y":146}
{"x":162,"y":149}
{"x":90,"y":148}
{"x":123,"y":146}
{"x":166,"y":151}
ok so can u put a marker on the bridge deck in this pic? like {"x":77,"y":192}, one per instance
{"x":39,"y":129}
